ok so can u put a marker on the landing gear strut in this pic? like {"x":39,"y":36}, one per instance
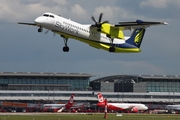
{"x":112,"y":48}
{"x":65,"y":48}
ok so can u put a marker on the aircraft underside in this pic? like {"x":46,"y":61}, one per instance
{"x":96,"y":44}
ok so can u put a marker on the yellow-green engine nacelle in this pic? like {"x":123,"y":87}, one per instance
{"x":113,"y":32}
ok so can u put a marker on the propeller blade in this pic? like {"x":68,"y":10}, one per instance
{"x":46,"y":31}
{"x":99,"y":23}
{"x":100,"y":17}
{"x":94,"y":19}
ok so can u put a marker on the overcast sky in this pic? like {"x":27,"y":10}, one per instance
{"x":23,"y":49}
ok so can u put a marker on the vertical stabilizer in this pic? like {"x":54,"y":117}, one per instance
{"x":136,"y":37}
{"x":70,"y":103}
{"x":100,"y":98}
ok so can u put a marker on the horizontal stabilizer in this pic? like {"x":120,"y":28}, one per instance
{"x":138,"y":24}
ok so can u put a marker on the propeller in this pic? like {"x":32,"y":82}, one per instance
{"x":54,"y":34}
{"x":46,"y":31}
{"x":99,"y":23}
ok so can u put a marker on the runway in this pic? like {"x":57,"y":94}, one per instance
{"x":39,"y":113}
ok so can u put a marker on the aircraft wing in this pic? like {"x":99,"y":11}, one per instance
{"x":138,"y":24}
{"x":33,"y":24}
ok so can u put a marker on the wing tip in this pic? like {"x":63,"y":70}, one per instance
{"x":165,"y":23}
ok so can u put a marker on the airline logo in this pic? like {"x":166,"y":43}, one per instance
{"x":139,"y":36}
{"x":71,"y":99}
{"x":100,"y":98}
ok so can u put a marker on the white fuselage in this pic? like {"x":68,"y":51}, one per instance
{"x":73,"y":29}
{"x":173,"y":107}
{"x":53,"y":106}
{"x":129,"y":106}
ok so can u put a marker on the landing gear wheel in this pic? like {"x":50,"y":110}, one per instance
{"x":112,"y":49}
{"x":40,"y":30}
{"x":65,"y":49}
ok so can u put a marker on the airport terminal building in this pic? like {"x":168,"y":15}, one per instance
{"x":44,"y":81}
{"x":53,"y":87}
{"x":81,"y":82}
{"x":137,"y":83}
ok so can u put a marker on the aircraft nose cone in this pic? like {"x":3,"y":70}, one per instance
{"x":38,"y":21}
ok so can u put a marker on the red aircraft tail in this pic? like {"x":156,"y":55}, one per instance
{"x":70,"y":103}
{"x":101,"y":100}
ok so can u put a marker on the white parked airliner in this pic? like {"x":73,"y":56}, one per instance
{"x":126,"y":107}
{"x":101,"y":35}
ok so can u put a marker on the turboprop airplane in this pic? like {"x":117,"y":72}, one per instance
{"x":100,"y":35}
{"x":126,"y":107}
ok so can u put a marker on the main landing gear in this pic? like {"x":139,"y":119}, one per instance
{"x":65,"y":48}
{"x":112,"y":48}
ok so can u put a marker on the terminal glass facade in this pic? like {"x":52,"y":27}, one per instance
{"x":161,"y":83}
{"x":163,"y":87}
{"x":44,"y":81}
{"x":139,"y":83}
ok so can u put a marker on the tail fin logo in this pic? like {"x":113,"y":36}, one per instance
{"x":71,"y":99}
{"x":100,"y":97}
{"x":139,"y":36}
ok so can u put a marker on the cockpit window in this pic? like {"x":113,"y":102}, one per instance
{"x":51,"y":16}
{"x":46,"y":15}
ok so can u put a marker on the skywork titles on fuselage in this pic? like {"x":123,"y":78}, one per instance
{"x":67,"y":27}
{"x":74,"y":29}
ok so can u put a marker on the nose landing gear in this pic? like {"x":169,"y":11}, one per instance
{"x":40,"y":29}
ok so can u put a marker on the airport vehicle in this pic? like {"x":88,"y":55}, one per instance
{"x":100,"y":35}
{"x":59,"y":107}
{"x":125,"y":107}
